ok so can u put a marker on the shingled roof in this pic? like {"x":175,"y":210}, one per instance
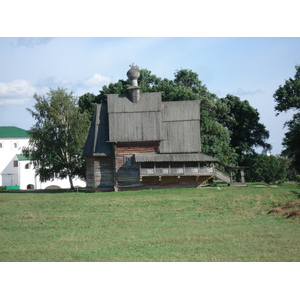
{"x":143,"y":117}
{"x":97,"y":142}
{"x":154,"y":157}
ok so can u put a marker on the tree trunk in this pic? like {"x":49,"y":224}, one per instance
{"x":71,"y":182}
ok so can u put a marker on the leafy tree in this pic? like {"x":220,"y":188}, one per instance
{"x":229,"y":126}
{"x":58,"y":136}
{"x":215,"y":137}
{"x":87,"y":103}
{"x":263,"y":168}
{"x":243,"y":122}
{"x":185,"y":86}
{"x":288,"y":97}
{"x":291,"y":141}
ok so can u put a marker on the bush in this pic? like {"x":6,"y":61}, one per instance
{"x":3,"y":188}
{"x":263,"y":168}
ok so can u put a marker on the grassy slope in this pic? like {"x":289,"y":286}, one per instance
{"x":210,"y":224}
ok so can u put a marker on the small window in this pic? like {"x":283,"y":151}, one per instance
{"x":163,"y":165}
{"x":191,"y":164}
{"x":1,"y":146}
{"x":27,"y":166}
{"x":16,"y":163}
{"x":147,"y":165}
{"x":15,"y":145}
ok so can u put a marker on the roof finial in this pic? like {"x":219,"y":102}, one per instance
{"x":133,"y":74}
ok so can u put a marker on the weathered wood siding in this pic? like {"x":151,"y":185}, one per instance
{"x":137,"y":126}
{"x":97,"y":141}
{"x":181,"y":111}
{"x":181,"y":127}
{"x":182,"y":137}
{"x":122,"y":104}
{"x":127,"y":173}
{"x":141,"y":121}
{"x":157,"y":182}
{"x":99,"y":173}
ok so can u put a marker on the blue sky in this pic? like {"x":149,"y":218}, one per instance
{"x":250,"y":68}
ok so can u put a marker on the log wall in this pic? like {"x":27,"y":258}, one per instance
{"x":166,"y":182}
{"x":127,"y":174}
{"x":109,"y":173}
{"x":99,"y":173}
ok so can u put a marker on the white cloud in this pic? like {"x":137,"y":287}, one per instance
{"x":241,"y":92}
{"x":16,"y":92}
{"x":32,"y":41}
{"x":97,"y":80}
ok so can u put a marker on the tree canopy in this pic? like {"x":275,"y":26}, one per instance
{"x":264,"y":168}
{"x":58,"y":136}
{"x":287,"y":97}
{"x":243,"y":122}
{"x":291,"y":141}
{"x":225,"y":123}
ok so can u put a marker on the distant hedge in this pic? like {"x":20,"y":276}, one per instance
{"x":263,"y":168}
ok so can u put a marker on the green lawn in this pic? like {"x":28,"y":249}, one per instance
{"x":208,"y":224}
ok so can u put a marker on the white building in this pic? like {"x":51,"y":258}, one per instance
{"x":17,"y":172}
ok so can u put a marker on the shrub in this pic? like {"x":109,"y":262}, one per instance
{"x":263,"y":168}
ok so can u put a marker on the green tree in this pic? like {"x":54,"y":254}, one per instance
{"x":243,"y":122}
{"x":291,"y":141}
{"x":87,"y":103}
{"x":186,"y":86}
{"x":58,"y":136}
{"x":215,"y":138}
{"x":287,"y":97}
{"x":263,"y":168}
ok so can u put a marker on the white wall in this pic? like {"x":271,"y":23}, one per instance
{"x":27,"y":177}
{"x":26,"y":174}
{"x":10,"y":147}
{"x":20,"y":175}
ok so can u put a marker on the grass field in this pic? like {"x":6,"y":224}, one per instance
{"x":184,"y":225}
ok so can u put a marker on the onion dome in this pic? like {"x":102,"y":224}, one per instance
{"x":133,"y":74}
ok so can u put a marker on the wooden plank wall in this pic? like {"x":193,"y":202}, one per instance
{"x":126,"y":169}
{"x":166,"y":182}
{"x":127,"y":173}
{"x":134,"y":127}
{"x":99,"y":173}
{"x":104,"y":173}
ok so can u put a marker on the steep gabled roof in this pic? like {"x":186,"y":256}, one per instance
{"x":13,"y":132}
{"x":97,"y":141}
{"x":135,"y":122}
{"x":181,"y":127}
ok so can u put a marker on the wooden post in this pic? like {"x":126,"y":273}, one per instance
{"x":116,"y":185}
{"x":242,"y":175}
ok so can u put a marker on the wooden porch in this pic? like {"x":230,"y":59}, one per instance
{"x":175,"y":169}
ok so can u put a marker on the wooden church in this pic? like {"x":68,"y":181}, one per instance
{"x":136,"y":141}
